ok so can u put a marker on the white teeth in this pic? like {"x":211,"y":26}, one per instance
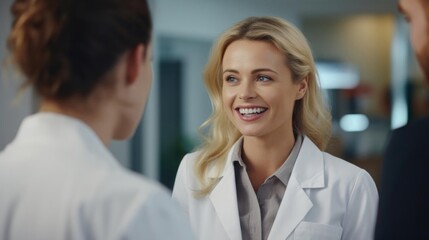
{"x":251,"y":110}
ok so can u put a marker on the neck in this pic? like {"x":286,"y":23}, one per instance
{"x":97,"y":116}
{"x":264,"y":155}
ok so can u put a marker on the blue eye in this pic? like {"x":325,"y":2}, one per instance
{"x":263,"y":78}
{"x":231,"y":79}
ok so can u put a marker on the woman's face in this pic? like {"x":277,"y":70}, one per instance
{"x":257,"y":91}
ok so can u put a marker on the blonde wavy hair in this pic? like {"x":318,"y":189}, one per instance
{"x":310,"y":116}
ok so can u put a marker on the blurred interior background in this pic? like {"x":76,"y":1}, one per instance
{"x":366,"y":67}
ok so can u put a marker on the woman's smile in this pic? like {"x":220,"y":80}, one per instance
{"x":250,"y":113}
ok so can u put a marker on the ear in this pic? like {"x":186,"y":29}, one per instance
{"x":303,"y":84}
{"x":134,"y":62}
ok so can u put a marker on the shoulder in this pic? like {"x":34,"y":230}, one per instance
{"x":340,"y":166}
{"x":353,"y":189}
{"x":407,"y":157}
{"x":124,"y":197}
{"x":190,"y":159}
{"x":123,"y":182}
{"x":414,"y":130}
{"x":422,"y":123}
{"x":186,"y":172}
{"x":353,"y":181}
{"x":334,"y":168}
{"x":409,"y":143}
{"x":339,"y":170}
{"x":133,"y":206}
{"x":187,"y":165}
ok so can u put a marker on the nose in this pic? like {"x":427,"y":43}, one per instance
{"x":247,"y":91}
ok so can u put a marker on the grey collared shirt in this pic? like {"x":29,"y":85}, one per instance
{"x":258,"y":210}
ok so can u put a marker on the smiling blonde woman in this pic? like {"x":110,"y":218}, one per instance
{"x":261,"y":172}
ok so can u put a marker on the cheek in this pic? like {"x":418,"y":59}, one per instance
{"x":419,"y":30}
{"x":149,"y":74}
{"x":147,"y":79}
{"x":423,"y":57}
{"x":419,"y":41}
{"x":284,"y":102}
{"x":227,"y":97}
{"x":416,"y":41}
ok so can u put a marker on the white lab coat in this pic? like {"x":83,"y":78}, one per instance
{"x":326,"y":198}
{"x":58,"y":181}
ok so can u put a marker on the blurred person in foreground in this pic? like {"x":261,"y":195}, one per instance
{"x":90,"y":63}
{"x":403,"y":211}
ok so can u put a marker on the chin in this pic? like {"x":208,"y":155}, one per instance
{"x":425,"y":69}
{"x":126,"y":131}
{"x":423,"y":58}
{"x":250,"y":132}
{"x":126,"y":127}
{"x":123,"y":136}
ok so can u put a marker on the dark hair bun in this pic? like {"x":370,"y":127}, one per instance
{"x":63,"y":47}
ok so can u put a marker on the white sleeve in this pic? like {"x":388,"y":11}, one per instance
{"x":158,"y":218}
{"x":359,"y":220}
{"x":180,"y":189}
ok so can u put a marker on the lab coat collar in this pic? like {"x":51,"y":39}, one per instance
{"x":61,"y":131}
{"x":235,"y":150}
{"x":309,"y":166}
{"x":309,"y":155}
{"x":224,"y":195}
{"x":224,"y":200}
{"x":308,"y":172}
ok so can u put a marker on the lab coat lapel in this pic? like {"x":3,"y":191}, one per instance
{"x":307,"y":173}
{"x":224,"y":200}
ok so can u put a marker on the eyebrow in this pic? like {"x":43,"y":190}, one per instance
{"x":253,"y":71}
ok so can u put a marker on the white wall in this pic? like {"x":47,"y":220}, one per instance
{"x":207,"y":19}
